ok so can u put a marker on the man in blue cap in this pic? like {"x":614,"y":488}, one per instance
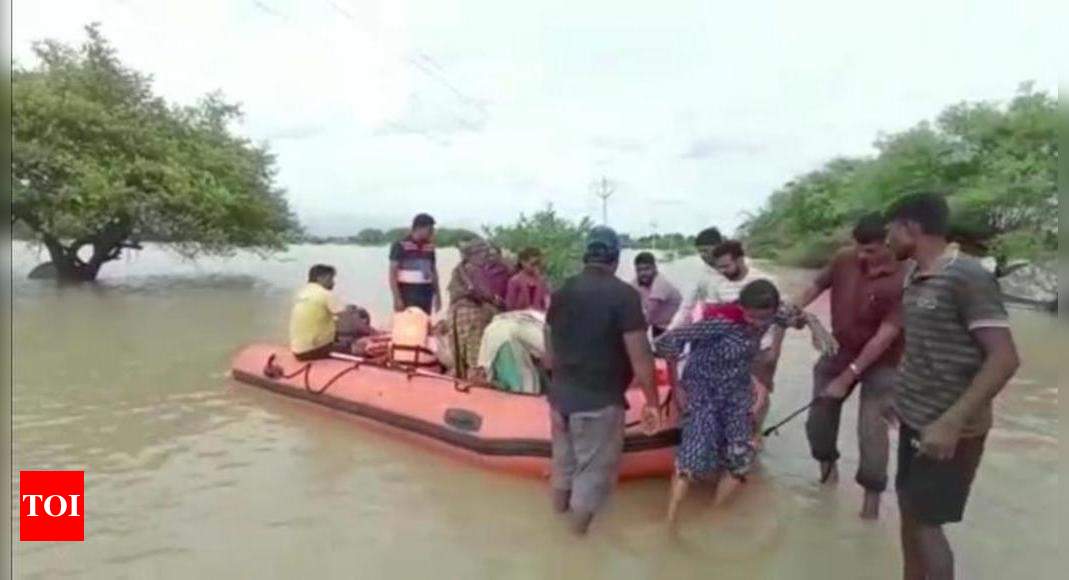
{"x":596,"y":346}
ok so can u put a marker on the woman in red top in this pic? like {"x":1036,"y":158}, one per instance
{"x":527,"y":289}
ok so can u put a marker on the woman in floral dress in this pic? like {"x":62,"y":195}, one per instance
{"x":716,"y":387}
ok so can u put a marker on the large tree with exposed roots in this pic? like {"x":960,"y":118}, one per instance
{"x":100,"y":163}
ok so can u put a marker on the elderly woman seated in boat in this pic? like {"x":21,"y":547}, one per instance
{"x":510,"y":355}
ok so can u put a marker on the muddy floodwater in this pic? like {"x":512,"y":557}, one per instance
{"x":191,"y":476}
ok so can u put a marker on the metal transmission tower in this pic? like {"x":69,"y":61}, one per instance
{"x":603,"y":188}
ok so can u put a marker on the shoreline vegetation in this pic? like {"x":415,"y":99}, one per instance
{"x":101,"y":164}
{"x":996,"y":163}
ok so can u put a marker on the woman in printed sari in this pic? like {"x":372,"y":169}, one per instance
{"x":473,"y":304}
{"x":716,"y":387}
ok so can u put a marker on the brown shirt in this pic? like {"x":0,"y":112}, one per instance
{"x":861,"y":299}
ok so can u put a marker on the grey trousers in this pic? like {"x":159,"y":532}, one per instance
{"x":587,"y":448}
{"x":822,"y":426}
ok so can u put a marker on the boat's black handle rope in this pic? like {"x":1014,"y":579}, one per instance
{"x":273,"y":371}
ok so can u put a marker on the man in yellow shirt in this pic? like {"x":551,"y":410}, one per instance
{"x":312,"y":325}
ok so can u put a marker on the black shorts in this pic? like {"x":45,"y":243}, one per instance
{"x":418,"y":295}
{"x":935,"y":492}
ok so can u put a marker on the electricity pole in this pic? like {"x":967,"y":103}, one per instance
{"x":604,"y":189}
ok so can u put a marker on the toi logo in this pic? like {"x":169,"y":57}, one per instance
{"x":51,"y":506}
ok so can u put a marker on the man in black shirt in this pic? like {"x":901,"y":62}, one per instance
{"x":596,"y":345}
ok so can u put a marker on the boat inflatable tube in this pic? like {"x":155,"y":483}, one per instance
{"x":500,"y":430}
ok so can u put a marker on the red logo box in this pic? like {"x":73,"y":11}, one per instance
{"x":51,"y":506}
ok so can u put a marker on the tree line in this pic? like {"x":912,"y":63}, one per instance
{"x":453,"y":237}
{"x":100,"y":163}
{"x":560,"y":239}
{"x":996,"y":163}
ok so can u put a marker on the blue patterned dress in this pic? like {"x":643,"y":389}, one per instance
{"x":716,"y":426}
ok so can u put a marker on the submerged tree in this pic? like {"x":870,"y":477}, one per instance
{"x":560,"y":240}
{"x":100,"y":162}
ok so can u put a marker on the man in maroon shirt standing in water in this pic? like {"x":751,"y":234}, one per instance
{"x":866,"y":296}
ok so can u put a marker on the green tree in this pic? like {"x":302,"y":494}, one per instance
{"x":99,"y":161}
{"x":453,"y":237}
{"x":370,"y":237}
{"x":560,"y":240}
{"x":997,"y":165}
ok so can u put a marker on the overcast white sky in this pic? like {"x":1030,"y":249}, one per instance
{"x":476,"y":110}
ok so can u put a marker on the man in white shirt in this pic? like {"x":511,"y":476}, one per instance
{"x":730,"y":261}
{"x":706,"y":244}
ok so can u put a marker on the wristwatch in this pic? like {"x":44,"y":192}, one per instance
{"x":854,"y":369}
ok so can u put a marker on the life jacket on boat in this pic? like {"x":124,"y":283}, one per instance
{"x":408,"y":340}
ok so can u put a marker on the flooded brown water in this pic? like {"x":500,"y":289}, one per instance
{"x":191,"y":476}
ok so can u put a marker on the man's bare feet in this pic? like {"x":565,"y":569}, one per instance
{"x":580,"y":522}
{"x":677,"y":490}
{"x":561,"y":497}
{"x":870,"y":508}
{"x":829,"y":472}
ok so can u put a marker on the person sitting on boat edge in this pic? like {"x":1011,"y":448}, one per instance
{"x":312,"y":325}
{"x":527,"y":288}
{"x":321,"y":325}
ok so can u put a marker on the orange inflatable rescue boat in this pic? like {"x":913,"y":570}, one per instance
{"x":498,"y":429}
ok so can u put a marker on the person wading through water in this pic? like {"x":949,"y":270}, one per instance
{"x":730,"y":261}
{"x":696,"y":295}
{"x":660,"y":298}
{"x":959,"y":354}
{"x":866,"y":298}
{"x":596,"y":345}
{"x":717,"y":394}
